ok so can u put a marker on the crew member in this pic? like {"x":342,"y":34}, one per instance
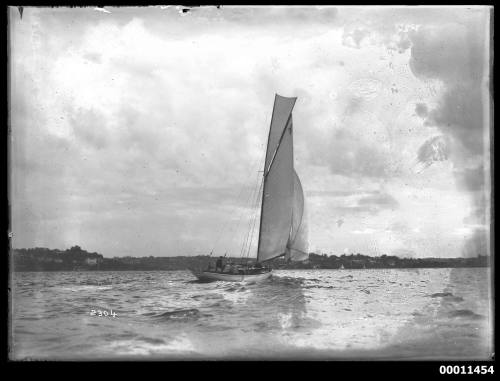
{"x":218,"y":264}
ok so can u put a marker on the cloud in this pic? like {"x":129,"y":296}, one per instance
{"x":455,"y":54}
{"x":379,"y":201}
{"x":478,"y":244}
{"x":364,"y":231}
{"x":365,"y":88}
{"x":141,"y":131}
{"x":347,"y":153}
{"x":405,"y":253}
{"x":279,"y":15}
{"x":421,"y":110}
{"x":398,"y":227}
{"x":89,"y":126}
{"x":93,"y":57}
{"x":372,"y":203}
{"x":460,"y":115}
{"x":448,"y":51}
{"x":353,"y":38}
{"x":434,"y":149}
{"x":331,"y":193}
{"x":471,"y":179}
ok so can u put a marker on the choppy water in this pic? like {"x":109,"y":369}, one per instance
{"x":298,"y":314}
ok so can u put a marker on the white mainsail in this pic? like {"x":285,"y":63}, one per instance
{"x":283,"y":228}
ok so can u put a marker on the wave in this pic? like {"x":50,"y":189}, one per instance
{"x":180,"y":315}
{"x":448,"y":296}
{"x":292,"y":314}
{"x":320,"y":287}
{"x":441,"y":294}
{"x":86,"y":288}
{"x":466,"y":314}
{"x":207,"y":296}
{"x":110,"y":281}
{"x":151,"y":340}
{"x":236,"y":287}
{"x":285,"y":280}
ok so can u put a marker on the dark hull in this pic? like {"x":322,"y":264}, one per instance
{"x":212,"y":276}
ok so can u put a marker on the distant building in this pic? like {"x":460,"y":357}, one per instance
{"x":91,"y":261}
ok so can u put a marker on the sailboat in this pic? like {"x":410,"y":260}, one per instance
{"x":283,"y":230}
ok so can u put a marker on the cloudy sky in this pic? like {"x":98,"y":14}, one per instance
{"x":140,"y":131}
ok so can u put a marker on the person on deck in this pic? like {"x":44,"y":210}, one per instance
{"x":258,"y":265}
{"x":218,"y":264}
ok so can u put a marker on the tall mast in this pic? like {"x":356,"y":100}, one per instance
{"x":264,"y":180}
{"x":287,"y":251}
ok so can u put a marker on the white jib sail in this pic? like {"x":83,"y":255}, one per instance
{"x":298,"y":246}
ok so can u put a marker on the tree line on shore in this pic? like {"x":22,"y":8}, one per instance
{"x":77,"y":259}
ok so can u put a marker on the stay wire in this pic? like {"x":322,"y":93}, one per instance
{"x":255,"y":197}
{"x":228,"y":221}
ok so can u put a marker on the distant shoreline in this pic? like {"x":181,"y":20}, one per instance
{"x":77,"y":259}
{"x":137,"y":270}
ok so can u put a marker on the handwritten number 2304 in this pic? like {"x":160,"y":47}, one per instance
{"x":105,"y":313}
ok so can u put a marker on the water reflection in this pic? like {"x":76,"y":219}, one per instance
{"x":245,"y":321}
{"x":283,"y":302}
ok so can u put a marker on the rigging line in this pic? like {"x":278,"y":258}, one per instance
{"x":252,"y":207}
{"x":253,"y":200}
{"x":250,"y":226}
{"x":258,"y":200}
{"x":254,"y":219}
{"x":225,"y":225}
{"x":245,"y":237}
{"x":243,"y":246}
{"x":252,"y":236}
{"x":236,"y":228}
{"x":248,"y":200}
